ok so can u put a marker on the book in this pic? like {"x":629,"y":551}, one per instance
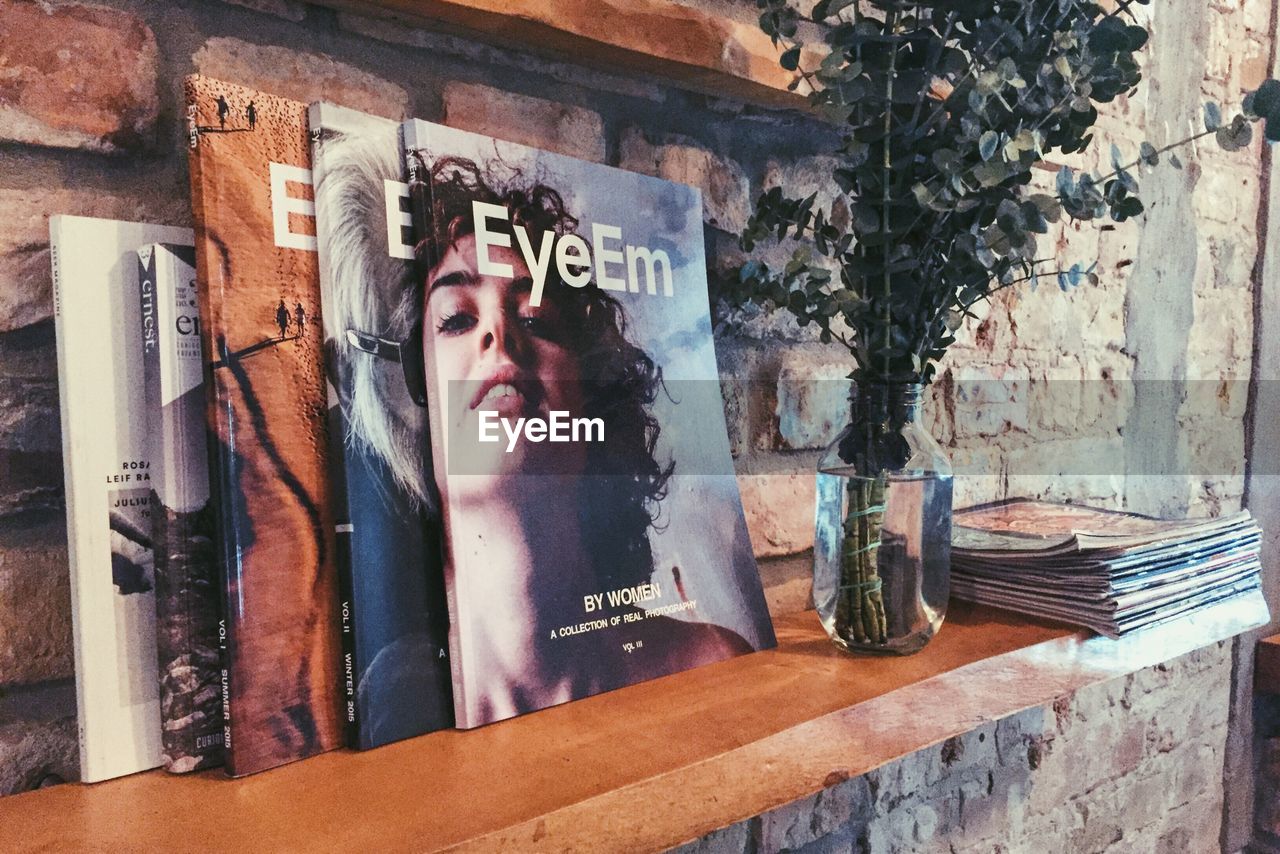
{"x":182,"y":526}
{"x":1111,"y":571}
{"x":593,"y":532}
{"x":259,"y":303}
{"x":99,"y":325}
{"x":395,"y":666}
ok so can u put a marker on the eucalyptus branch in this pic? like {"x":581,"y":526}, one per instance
{"x":1003,"y":285}
{"x":1122,"y":6}
{"x":1180,"y":143}
{"x":941,"y":195}
{"x":973,"y":68}
{"x":808,"y":76}
{"x":949,"y":304}
{"x":886,"y":180}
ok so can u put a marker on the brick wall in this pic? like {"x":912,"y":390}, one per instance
{"x":1128,"y":765}
{"x":90,"y":123}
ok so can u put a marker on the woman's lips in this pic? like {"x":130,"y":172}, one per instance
{"x":504,"y":399}
{"x":508,"y":392}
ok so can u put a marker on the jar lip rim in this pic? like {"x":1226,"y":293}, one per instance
{"x":905,"y":396}
{"x":901,"y":390}
{"x":888,"y":383}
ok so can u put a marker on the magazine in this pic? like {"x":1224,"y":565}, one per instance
{"x":99,"y":320}
{"x":260,"y":303}
{"x":182,"y":524}
{"x":1114,"y":572}
{"x":395,"y":667}
{"x":1047,"y":528}
{"x":594,"y":534}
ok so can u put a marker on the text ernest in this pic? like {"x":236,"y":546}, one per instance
{"x":131,"y":471}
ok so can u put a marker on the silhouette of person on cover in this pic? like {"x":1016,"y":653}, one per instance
{"x":224,"y":110}
{"x":251,"y":113}
{"x":282,"y":319}
{"x":300,"y":319}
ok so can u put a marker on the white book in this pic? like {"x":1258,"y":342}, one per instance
{"x":99,"y":321}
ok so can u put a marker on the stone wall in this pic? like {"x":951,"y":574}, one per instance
{"x":1133,"y":764}
{"x":90,"y":123}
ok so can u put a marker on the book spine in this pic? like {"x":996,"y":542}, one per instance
{"x":350,"y":709}
{"x":219,"y":422}
{"x":171,"y":737}
{"x":187,"y":591}
{"x":420,"y":191}
{"x":67,"y":404}
{"x":349,"y":665}
{"x":262,"y":316}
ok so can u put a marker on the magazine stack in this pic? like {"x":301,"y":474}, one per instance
{"x":1109,"y":571}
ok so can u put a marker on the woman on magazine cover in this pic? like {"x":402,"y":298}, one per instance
{"x":543,"y":524}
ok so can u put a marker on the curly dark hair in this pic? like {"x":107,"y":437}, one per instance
{"x":625,"y":481}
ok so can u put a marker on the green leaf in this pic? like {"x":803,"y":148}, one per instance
{"x":1244,"y":134}
{"x":1116,"y":157}
{"x":1148,"y":153}
{"x":990,"y":174}
{"x":790,"y":59}
{"x":988,"y":83}
{"x":1265,"y":101}
{"x":946,"y":161}
{"x":830,"y":8}
{"x":836,"y":113}
{"x":1131,"y":207}
{"x":1212,"y":116}
{"x":866,"y":218}
{"x":1065,"y":183}
{"x":1234,"y":136}
{"x":1110,"y":35}
{"x":988,"y":144}
{"x":1049,"y":206}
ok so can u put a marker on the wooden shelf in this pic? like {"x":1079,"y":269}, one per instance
{"x":1266,"y":672}
{"x":656,"y":764}
{"x":679,"y":44}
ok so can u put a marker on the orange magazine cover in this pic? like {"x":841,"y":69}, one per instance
{"x":259,"y":297}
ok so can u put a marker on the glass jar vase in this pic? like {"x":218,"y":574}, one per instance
{"x":882,"y":542}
